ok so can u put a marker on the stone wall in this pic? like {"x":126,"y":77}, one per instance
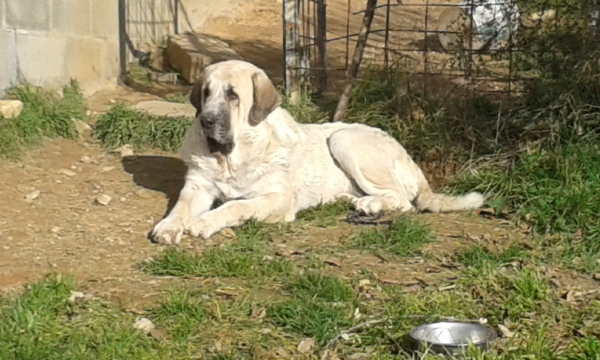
{"x":48,"y":42}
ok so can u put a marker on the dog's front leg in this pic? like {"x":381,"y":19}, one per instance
{"x":193,"y":201}
{"x":271,"y":207}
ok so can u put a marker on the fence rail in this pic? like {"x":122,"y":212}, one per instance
{"x":475,"y":43}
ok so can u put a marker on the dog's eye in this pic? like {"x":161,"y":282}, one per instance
{"x":232,"y":96}
{"x":206,"y":92}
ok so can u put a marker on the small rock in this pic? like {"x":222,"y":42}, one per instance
{"x":359,"y":356}
{"x":505,"y":332}
{"x":103,"y":199}
{"x":66,"y":172}
{"x":143,"y":324}
{"x":86,"y":160}
{"x":265,"y":331}
{"x":82,"y":127}
{"x":126,"y":150}
{"x":107,"y":168}
{"x":32,"y":196}
{"x":10,"y":108}
{"x":165,"y":108}
{"x":76,"y":295}
{"x":144,"y":194}
{"x":306,"y":345}
{"x":55,"y":230}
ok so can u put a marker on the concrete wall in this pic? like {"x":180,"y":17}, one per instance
{"x":48,"y":42}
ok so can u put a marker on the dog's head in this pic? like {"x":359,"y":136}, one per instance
{"x":230,"y":97}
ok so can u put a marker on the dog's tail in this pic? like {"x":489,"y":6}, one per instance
{"x":427,"y":200}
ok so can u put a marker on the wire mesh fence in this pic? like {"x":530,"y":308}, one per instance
{"x":491,"y":46}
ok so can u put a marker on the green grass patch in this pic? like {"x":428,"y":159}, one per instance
{"x":43,"y":324}
{"x":480,"y":256}
{"x":227,"y":263}
{"x":122,"y":125}
{"x":182,"y":313}
{"x":556,"y":189}
{"x":324,"y":215}
{"x":404,"y":237}
{"x":318,"y":320}
{"x":177,"y":98}
{"x":317,"y":286}
{"x":45,"y":114}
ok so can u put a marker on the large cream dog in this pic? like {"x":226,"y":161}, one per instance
{"x":247,"y":151}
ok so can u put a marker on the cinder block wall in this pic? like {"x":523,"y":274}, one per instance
{"x":48,"y":42}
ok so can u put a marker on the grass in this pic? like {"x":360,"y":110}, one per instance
{"x":324,"y":215}
{"x":122,"y":125}
{"x":404,"y":237}
{"x":45,"y":114}
{"x":479,"y":256}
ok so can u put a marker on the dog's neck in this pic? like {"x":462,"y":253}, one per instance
{"x":215,"y":147}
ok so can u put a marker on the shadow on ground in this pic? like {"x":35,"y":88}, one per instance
{"x":158,"y":173}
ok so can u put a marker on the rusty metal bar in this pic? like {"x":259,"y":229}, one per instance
{"x":321,"y":41}
{"x":292,"y":45}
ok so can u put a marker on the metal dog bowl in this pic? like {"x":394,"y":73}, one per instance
{"x":451,"y":338}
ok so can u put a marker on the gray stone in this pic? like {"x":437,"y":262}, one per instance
{"x":165,"y":108}
{"x":28,"y":14}
{"x":71,"y":16}
{"x":191,"y":53}
{"x":10,"y":108}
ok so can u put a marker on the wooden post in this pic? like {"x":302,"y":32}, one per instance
{"x":356,"y":60}
{"x":321,"y":40}
{"x":291,"y":50}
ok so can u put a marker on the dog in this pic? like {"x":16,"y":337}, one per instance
{"x":247,"y":151}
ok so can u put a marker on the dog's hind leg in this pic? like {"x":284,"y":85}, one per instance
{"x":379,"y":166}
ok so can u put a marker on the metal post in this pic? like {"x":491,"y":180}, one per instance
{"x":321,"y":44}
{"x":292,"y":45}
{"x":176,"y":17}
{"x":122,"y":10}
{"x":387,"y":35}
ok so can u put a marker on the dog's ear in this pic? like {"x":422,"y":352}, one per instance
{"x":196,"y":97}
{"x":265,"y":98}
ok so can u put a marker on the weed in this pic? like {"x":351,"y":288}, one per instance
{"x":181,"y":313}
{"x":122,"y":125}
{"x":45,"y":114}
{"x":320,"y":321}
{"x":319,"y":287}
{"x":556,"y":189}
{"x":324,"y":215}
{"x":177,"y":98}
{"x":404,"y":237}
{"x":479,"y":256}
{"x":43,"y":324}
{"x":234,"y":261}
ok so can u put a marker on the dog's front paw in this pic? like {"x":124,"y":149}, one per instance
{"x":201,"y":228}
{"x":168,"y":231}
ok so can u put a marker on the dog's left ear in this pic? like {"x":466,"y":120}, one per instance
{"x":266,"y":98}
{"x":196,"y":97}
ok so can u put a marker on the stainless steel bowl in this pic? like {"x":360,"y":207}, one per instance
{"x":451,"y":338}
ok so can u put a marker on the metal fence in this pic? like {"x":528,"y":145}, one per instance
{"x":144,"y":22}
{"x":480,"y":44}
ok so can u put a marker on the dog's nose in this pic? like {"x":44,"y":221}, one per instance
{"x":209,"y":120}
